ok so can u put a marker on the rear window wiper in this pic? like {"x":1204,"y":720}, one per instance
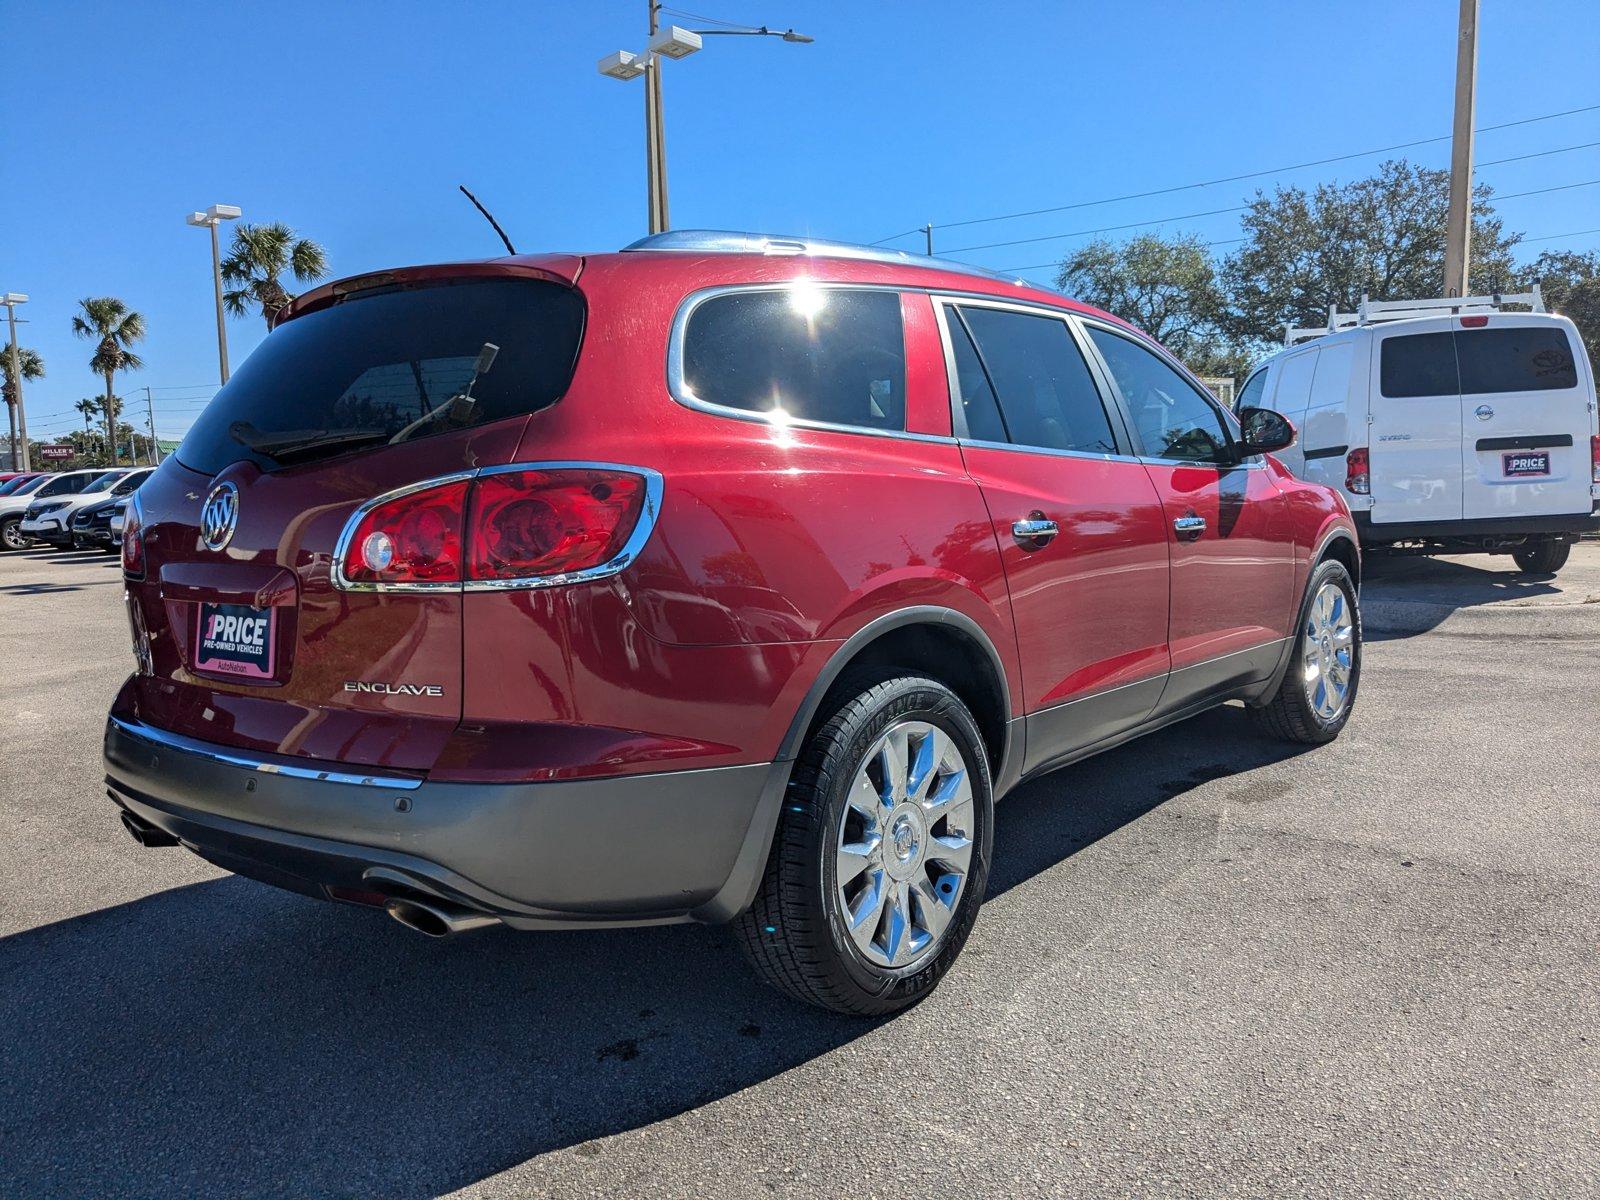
{"x":281,"y":447}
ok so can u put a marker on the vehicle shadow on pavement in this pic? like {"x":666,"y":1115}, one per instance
{"x":1404,"y":595}
{"x":227,"y":1038}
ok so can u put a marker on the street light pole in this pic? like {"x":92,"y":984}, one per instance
{"x":211,"y":218}
{"x":655,"y":122}
{"x":1458,"y":232}
{"x":20,"y":459}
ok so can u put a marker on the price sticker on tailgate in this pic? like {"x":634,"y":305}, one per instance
{"x":235,"y":639}
{"x":1526,"y":462}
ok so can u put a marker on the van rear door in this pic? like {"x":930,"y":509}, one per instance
{"x":1527,"y":405}
{"x":1415,"y":429}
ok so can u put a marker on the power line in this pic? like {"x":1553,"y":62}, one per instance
{"x":1550,"y":237}
{"x":1051,"y":237}
{"x":1320,"y":162}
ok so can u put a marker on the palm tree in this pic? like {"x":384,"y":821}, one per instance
{"x":88,"y":407}
{"x":259,"y":255}
{"x":113,"y":326}
{"x":29,"y":366}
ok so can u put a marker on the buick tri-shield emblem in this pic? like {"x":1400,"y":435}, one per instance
{"x":219,"y":516}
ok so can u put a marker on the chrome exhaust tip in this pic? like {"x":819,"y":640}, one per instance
{"x":435,"y":919}
{"x":146,"y":834}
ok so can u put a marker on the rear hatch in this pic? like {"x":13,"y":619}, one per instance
{"x":365,"y":390}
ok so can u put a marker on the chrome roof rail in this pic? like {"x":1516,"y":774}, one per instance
{"x":722,"y":241}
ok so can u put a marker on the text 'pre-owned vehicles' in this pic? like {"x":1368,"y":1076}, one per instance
{"x":725,"y":578}
{"x":1451,"y":426}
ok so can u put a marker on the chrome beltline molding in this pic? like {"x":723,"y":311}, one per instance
{"x":187,"y":745}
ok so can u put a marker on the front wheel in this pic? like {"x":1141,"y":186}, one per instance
{"x":11,"y":534}
{"x":1318,"y":691}
{"x":881,"y":855}
{"x":1545,"y":556}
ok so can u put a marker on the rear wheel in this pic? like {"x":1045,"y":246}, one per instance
{"x":11,"y":534}
{"x":1545,"y":556}
{"x":881,"y":855}
{"x":1318,"y":690}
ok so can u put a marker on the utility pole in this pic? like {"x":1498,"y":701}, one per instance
{"x":150,"y":409}
{"x":20,"y":459}
{"x":928,"y":230}
{"x":656,"y":133}
{"x":1458,"y":233}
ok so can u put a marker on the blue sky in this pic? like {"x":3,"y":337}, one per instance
{"x":354,"y":121}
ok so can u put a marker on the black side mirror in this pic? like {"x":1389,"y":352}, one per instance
{"x":1265,"y":431}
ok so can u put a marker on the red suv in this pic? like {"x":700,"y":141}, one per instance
{"x":721,"y":579}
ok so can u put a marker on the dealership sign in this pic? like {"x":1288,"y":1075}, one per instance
{"x":55,"y":453}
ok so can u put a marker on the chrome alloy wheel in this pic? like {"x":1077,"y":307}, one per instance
{"x":904,"y":847}
{"x":1328,"y":655}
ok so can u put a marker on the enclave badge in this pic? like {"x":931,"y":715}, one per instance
{"x":219,"y":515}
{"x":394,"y":689}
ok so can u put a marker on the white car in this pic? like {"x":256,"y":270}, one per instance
{"x":1450,"y":426}
{"x":49,"y":518}
{"x":13,"y":506}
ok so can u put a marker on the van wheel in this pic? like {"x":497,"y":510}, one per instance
{"x":11,"y":534}
{"x":881,"y":855}
{"x":1545,"y":556}
{"x":1314,"y":700}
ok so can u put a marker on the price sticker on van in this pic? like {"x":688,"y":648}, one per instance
{"x":1525,"y":463}
{"x":235,"y":639}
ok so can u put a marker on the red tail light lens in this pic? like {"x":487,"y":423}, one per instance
{"x":132,"y":542}
{"x":1357,"y":474}
{"x":414,"y":538}
{"x":1594,"y":457}
{"x":528,"y":524}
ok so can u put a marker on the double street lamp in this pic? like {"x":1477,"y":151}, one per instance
{"x":671,"y":42}
{"x":210,"y":219}
{"x":20,"y":459}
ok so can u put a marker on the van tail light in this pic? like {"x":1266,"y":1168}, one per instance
{"x":523,"y":527}
{"x":1594,"y":458}
{"x":132,"y":541}
{"x":530,"y":524}
{"x":1357,"y":474}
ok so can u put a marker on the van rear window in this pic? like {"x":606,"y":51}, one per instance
{"x":391,"y":366}
{"x":1518,"y":358}
{"x":1419,"y":364}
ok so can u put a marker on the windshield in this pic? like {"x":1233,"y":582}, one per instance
{"x":103,"y":483}
{"x":392,"y":365}
{"x":11,"y":485}
{"x":29,"y":486}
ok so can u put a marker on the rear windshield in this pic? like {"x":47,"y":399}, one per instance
{"x":390,"y":366}
{"x":1472,"y":362}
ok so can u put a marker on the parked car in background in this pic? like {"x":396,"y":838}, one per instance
{"x":7,"y":477}
{"x":49,"y":518}
{"x":722,"y":579}
{"x":16,"y":481}
{"x":1450,"y":426}
{"x":91,"y":525}
{"x":47,"y":486}
{"x":119,"y":513}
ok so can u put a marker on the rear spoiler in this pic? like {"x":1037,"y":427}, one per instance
{"x":556,"y":268}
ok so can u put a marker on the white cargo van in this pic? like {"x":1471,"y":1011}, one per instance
{"x":1450,"y":426}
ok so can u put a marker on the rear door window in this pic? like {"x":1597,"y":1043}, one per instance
{"x":1518,"y":358}
{"x":1250,"y":394}
{"x":831,"y":355}
{"x":1418,"y":364}
{"x":1047,"y":395}
{"x":392,"y":365}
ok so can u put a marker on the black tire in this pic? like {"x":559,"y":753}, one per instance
{"x":1545,"y":556}
{"x":793,"y":934}
{"x":1290,"y":714}
{"x":11,"y":534}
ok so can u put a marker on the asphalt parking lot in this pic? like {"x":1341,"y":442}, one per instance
{"x":1208,"y":965}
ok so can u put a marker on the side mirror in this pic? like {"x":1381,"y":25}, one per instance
{"x":1265,"y":431}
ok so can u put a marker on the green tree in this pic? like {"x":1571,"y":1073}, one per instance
{"x":90,"y":409}
{"x":1571,"y":285}
{"x":1383,"y":235}
{"x":113,"y":327}
{"x":29,"y":366}
{"x":259,"y":256}
{"x":1167,"y":286}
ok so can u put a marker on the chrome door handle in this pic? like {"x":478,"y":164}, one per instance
{"x":1034,"y":531}
{"x":1189,"y":527}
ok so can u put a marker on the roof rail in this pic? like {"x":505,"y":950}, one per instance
{"x":1371,"y":312}
{"x":722,"y":241}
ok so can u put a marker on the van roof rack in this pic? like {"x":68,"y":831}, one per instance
{"x":1371,"y":312}
{"x":723,"y":241}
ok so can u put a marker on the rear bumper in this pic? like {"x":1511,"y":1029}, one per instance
{"x":1444,"y":531}
{"x":642,"y":849}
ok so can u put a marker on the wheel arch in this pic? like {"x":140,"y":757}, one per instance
{"x":1340,"y":544}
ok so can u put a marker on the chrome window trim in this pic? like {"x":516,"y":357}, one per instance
{"x":187,"y":745}
{"x":654,"y":485}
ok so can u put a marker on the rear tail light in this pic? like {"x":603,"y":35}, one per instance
{"x":1357,"y":474}
{"x":525,"y":527}
{"x":132,"y":541}
{"x":1594,"y":458}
